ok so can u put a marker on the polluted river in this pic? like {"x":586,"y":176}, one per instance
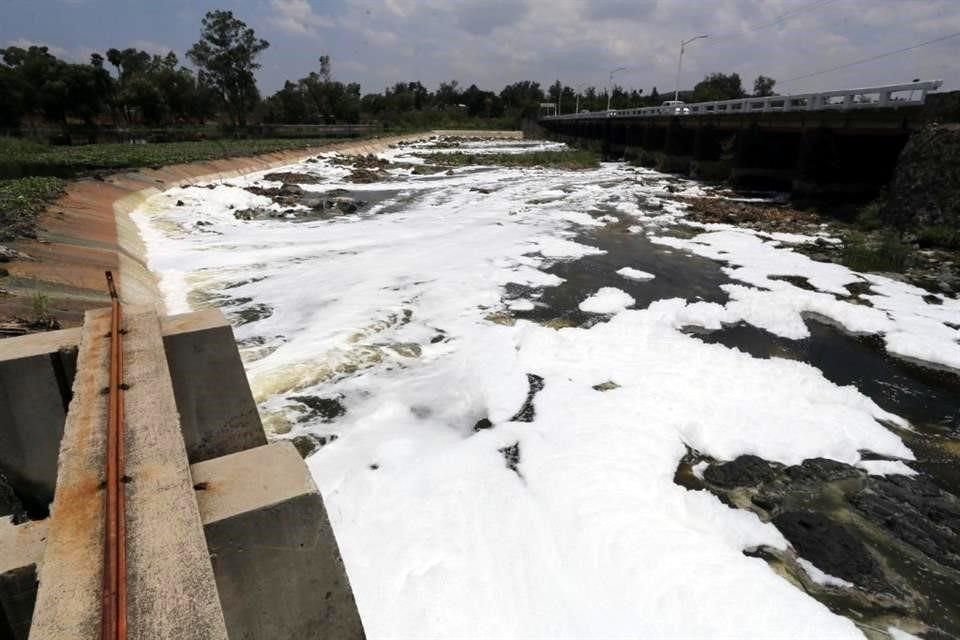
{"x":545,"y":403}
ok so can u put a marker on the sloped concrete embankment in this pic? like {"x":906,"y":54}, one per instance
{"x":89,"y":230}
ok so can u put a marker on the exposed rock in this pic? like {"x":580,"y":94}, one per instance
{"x":745,"y":471}
{"x":366,"y":176}
{"x":511,"y":455}
{"x":609,"y":385}
{"x":326,"y":409}
{"x":761,"y":216}
{"x":527,"y":411}
{"x":831,"y":547}
{"x":915,"y":511}
{"x":179,"y":203}
{"x":483,"y":423}
{"x":293,"y":177}
{"x":308,"y":444}
{"x":427,"y":169}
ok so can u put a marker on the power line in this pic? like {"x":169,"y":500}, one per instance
{"x":783,"y":17}
{"x":789,"y":14}
{"x":872,"y":58}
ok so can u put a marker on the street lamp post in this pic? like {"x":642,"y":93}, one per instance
{"x":610,"y":85}
{"x":578,"y":88}
{"x":683,"y":46}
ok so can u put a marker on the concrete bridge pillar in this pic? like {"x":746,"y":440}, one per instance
{"x":677,"y":148}
{"x":763,"y":159}
{"x":708,"y":162}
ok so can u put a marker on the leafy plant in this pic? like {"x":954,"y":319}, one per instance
{"x":879,"y":252}
{"x":40,"y":305}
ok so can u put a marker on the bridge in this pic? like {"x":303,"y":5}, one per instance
{"x":838,"y":142}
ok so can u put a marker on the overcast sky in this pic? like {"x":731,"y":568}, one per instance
{"x":494,"y":42}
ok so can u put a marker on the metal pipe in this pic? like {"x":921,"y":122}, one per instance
{"x":114,"y":613}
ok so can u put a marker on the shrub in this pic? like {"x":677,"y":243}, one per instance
{"x":878,"y":252}
{"x":940,"y":235}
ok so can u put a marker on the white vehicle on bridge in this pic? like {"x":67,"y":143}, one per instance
{"x":679,"y":106}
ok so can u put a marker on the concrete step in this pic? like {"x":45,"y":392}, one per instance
{"x":275,"y":556}
{"x":172,"y":591}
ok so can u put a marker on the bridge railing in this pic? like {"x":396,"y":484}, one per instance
{"x":881,"y":97}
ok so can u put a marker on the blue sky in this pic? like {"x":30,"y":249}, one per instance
{"x":493,"y":42}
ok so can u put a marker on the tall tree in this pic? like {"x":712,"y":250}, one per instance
{"x":227,"y":57}
{"x":763,"y":86}
{"x":719,"y":86}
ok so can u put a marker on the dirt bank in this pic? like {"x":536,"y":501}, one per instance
{"x":89,"y":230}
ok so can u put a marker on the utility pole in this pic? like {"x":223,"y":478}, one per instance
{"x":683,"y":46}
{"x":610,"y":85}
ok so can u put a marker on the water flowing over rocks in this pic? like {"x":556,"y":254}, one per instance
{"x":890,"y":536}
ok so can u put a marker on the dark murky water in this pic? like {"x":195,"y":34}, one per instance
{"x":928,"y":398}
{"x":678,"y":275}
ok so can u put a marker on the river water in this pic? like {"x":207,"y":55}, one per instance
{"x":513,"y":363}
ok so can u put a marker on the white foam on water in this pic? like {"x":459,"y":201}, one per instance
{"x":821,"y":577}
{"x":886,"y":468}
{"x":911,"y":327}
{"x":607,"y":300}
{"x":580,"y":531}
{"x":635,"y":274}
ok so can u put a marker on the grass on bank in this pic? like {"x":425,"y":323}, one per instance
{"x":884,"y":252}
{"x":21,"y":201}
{"x":563,"y":159}
{"x":23,"y":158}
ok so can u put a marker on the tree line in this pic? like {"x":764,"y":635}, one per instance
{"x":132,"y":87}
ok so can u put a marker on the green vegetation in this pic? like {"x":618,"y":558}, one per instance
{"x":870,"y":216}
{"x":565,"y":159}
{"x":882,"y":252}
{"x":939,"y":236}
{"x":40,"y":305}
{"x":20,"y":203}
{"x":19,"y":158}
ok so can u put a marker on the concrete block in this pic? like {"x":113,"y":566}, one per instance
{"x":21,"y":552}
{"x":217,"y":412}
{"x":36,"y":374}
{"x":172,"y":591}
{"x":274,"y":554}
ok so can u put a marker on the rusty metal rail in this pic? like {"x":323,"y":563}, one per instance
{"x":114,"y":619}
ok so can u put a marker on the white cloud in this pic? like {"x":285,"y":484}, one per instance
{"x":25,"y":43}
{"x":151,"y":47}
{"x":298,"y":17}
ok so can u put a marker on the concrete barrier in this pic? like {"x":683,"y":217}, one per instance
{"x":218,"y":415}
{"x":275,"y":557}
{"x":217,"y":412}
{"x":172,"y":591}
{"x":36,"y":374}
